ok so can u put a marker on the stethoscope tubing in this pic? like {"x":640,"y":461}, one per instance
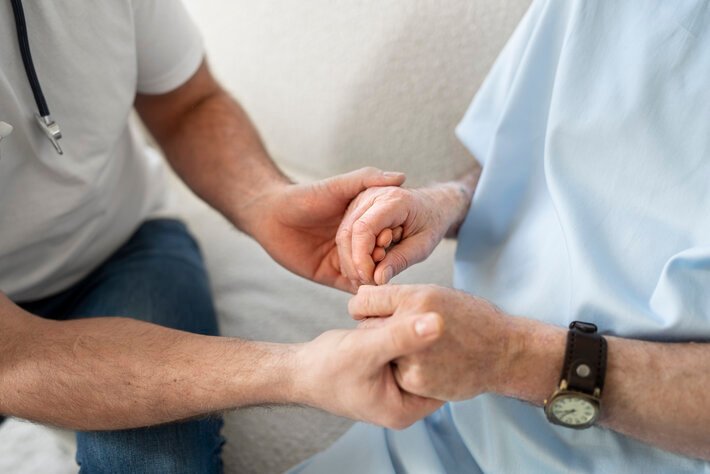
{"x":26,"y":53}
{"x":44,"y":120}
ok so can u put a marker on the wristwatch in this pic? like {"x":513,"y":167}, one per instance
{"x":577,"y":400}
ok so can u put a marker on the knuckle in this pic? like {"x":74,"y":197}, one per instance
{"x":414,"y":379}
{"x":429,"y":293}
{"x":397,"y":195}
{"x":361,"y":226}
{"x":343,"y":235}
{"x":399,"y":260}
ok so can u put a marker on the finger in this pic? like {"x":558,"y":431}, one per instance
{"x":398,"y":367}
{"x":400,"y":257}
{"x":367,"y":228}
{"x":344,"y":242}
{"x":345,"y":188}
{"x":413,"y":380}
{"x":384,"y":240}
{"x":406,"y":336}
{"x":410,"y":409}
{"x":342,"y":283}
{"x":369,"y":323}
{"x":397,"y":234}
{"x":418,"y":407}
{"x":378,"y":254}
{"x":375,"y":301}
{"x":411,"y":377}
{"x":348,"y":185}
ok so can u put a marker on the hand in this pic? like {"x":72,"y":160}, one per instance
{"x":472,"y":356}
{"x":297,"y":223}
{"x":349,"y":372}
{"x":388,"y":229}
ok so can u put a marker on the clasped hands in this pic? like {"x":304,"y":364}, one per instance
{"x":416,"y":345}
{"x":388,"y":229}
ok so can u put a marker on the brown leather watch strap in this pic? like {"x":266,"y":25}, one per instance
{"x":585,"y":359}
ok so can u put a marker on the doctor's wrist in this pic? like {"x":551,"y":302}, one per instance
{"x":251,"y":210}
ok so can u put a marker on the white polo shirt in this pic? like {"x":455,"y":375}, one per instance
{"x":61,"y":216}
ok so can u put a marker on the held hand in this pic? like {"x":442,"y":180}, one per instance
{"x":473,"y":354}
{"x":389,"y":229}
{"x":349,"y":372}
{"x":297,"y":223}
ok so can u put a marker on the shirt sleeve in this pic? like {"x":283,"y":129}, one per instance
{"x":482,"y":119}
{"x":169,"y":46}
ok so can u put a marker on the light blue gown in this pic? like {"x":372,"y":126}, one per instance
{"x":593,"y":129}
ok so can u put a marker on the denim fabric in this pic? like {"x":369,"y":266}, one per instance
{"x":157,"y":276}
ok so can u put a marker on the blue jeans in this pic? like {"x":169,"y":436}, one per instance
{"x":157,"y":276}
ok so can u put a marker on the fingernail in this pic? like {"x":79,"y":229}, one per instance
{"x":392,"y":174}
{"x":389,"y":273}
{"x":427,"y":326}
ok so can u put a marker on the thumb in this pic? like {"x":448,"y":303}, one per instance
{"x":410,"y":335}
{"x":399,"y":258}
{"x":351,"y":184}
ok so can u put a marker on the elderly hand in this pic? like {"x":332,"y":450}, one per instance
{"x":349,"y":372}
{"x":388,"y":229}
{"x":475,"y":353}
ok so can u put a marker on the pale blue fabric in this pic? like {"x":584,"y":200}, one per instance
{"x":594,"y":204}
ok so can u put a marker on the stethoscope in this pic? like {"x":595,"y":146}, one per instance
{"x":44,"y":119}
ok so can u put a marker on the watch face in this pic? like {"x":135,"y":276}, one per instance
{"x":573,"y":410}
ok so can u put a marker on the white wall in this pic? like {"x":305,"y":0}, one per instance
{"x":338,"y":84}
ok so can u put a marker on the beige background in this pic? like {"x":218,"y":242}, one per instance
{"x":338,"y":84}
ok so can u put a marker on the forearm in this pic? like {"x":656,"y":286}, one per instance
{"x":212,"y":145}
{"x":658,"y":393}
{"x":218,"y":153}
{"x":115,"y":373}
{"x":454,"y":199}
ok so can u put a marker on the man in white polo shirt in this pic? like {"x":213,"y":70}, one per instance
{"x":83,"y":233}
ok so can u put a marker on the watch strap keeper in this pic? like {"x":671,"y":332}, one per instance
{"x":584,"y":366}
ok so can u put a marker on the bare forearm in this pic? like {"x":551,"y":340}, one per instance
{"x":115,"y":373}
{"x":212,"y":145}
{"x":454,"y":199}
{"x":658,"y":393}
{"x":218,"y":153}
{"x":466,"y":186}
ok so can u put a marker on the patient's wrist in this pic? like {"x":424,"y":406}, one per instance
{"x":450,"y":201}
{"x":533,"y":360}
